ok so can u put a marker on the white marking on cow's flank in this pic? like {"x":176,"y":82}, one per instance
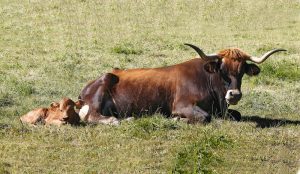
{"x":83,"y":112}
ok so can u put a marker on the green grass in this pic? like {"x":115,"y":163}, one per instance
{"x":200,"y":156}
{"x":126,"y":49}
{"x":51,"y":49}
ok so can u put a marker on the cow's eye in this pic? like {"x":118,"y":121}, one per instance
{"x":226,"y":82}
{"x":225,"y":78}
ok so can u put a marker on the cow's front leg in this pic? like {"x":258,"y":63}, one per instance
{"x":192,"y":114}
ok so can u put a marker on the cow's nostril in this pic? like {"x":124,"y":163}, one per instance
{"x":230,"y":93}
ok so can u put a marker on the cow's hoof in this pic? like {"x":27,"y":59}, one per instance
{"x":176,"y":118}
{"x":234,"y":115}
{"x":185,"y":120}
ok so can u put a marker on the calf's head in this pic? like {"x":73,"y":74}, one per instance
{"x":64,"y":110}
{"x":231,"y":64}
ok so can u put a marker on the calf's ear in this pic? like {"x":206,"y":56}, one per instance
{"x":54,"y":104}
{"x":212,"y":67}
{"x":252,"y":70}
{"x":79,"y":104}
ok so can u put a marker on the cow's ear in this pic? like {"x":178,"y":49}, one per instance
{"x":79,"y":104}
{"x":54,"y":104}
{"x":212,"y":67}
{"x":252,"y":70}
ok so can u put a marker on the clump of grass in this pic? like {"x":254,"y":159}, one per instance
{"x":4,"y":168}
{"x":283,"y":70}
{"x":5,"y":100}
{"x":20,"y":87}
{"x":24,"y":89}
{"x":145,"y":127}
{"x":265,"y":47}
{"x":127,"y":49}
{"x":274,"y":72}
{"x":254,"y":100}
{"x":15,"y":130}
{"x":199,"y":157}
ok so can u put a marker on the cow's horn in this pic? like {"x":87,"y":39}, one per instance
{"x":202,"y":55}
{"x":265,"y":56}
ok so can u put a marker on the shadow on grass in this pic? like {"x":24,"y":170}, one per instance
{"x":268,"y":122}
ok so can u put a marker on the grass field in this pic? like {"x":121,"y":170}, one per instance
{"x":51,"y":49}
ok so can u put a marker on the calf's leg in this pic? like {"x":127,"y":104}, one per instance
{"x":55,"y":122}
{"x":35,"y":116}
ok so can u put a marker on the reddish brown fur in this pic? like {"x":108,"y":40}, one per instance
{"x":194,"y":89}
{"x":234,"y":54}
{"x":149,"y":90}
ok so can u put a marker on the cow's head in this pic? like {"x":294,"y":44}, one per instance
{"x":64,"y":110}
{"x":231,"y":64}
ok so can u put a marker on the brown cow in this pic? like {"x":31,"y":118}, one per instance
{"x":57,"y":114}
{"x":193,"y":90}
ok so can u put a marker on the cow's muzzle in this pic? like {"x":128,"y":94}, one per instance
{"x":233,"y":96}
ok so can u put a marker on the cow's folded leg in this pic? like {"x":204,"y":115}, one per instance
{"x":97,"y":118}
{"x":128,"y":119}
{"x":109,"y":120}
{"x":234,"y":115}
{"x":192,"y":114}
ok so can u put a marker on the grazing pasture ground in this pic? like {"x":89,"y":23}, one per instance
{"x":51,"y":49}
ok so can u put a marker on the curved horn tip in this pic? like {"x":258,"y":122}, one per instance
{"x":193,"y":46}
{"x":265,"y":56}
{"x":276,"y":50}
{"x":281,"y":49}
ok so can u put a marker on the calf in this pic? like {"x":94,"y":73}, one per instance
{"x":59,"y":113}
